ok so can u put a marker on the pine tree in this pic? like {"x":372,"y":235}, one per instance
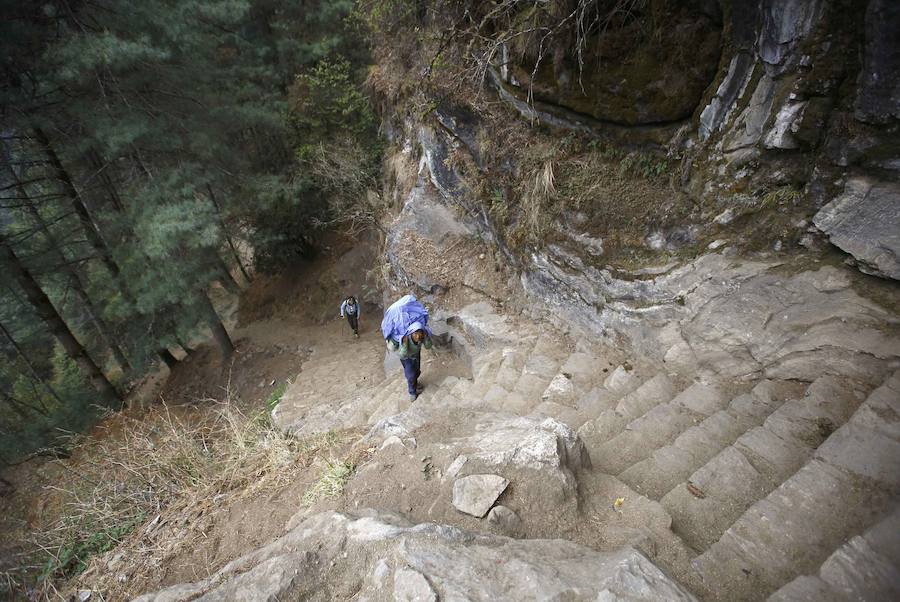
{"x":44,"y":308}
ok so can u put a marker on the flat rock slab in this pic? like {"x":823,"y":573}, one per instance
{"x":865,"y":222}
{"x":382,"y":557}
{"x":476,"y":493}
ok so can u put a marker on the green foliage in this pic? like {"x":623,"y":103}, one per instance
{"x":50,"y":422}
{"x":74,"y":554}
{"x":276,"y":395}
{"x":327,"y":102}
{"x":152,"y":109}
{"x":284,"y":220}
{"x":645,"y":165}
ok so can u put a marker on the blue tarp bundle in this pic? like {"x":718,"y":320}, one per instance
{"x":402,"y":314}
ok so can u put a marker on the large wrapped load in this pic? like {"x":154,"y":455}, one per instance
{"x":403,"y":317}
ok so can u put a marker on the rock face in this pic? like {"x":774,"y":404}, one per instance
{"x":729,"y":317}
{"x":878,"y":99}
{"x":475,"y":494}
{"x":629,"y":78}
{"x":865,"y":222}
{"x":334,"y":556}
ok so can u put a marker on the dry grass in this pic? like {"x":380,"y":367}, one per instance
{"x":538,"y":198}
{"x":136,"y":490}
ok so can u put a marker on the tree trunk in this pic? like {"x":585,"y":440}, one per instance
{"x":234,"y":251}
{"x":102,"y":167}
{"x":231,"y":285}
{"x":58,"y":327}
{"x":91,"y":230}
{"x":215,"y":324}
{"x":73,"y":277}
{"x":34,"y":373}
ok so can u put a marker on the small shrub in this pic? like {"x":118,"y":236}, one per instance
{"x":331,"y":483}
{"x":276,"y":395}
{"x":780,"y":196}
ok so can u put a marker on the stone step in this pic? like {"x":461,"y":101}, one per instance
{"x":511,"y":365}
{"x":674,"y":463}
{"x":657,"y":427}
{"x":610,"y":423}
{"x":760,"y":460}
{"x":486,"y":372}
{"x":583,"y":369}
{"x":865,"y":568}
{"x":593,"y":403}
{"x":537,"y":373}
{"x":622,"y":381}
{"x":852,"y":482}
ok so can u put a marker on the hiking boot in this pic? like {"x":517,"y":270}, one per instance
{"x":413,"y":397}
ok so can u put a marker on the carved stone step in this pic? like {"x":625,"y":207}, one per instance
{"x":721,"y":490}
{"x":852,"y":482}
{"x":657,"y":427}
{"x":865,"y":568}
{"x":610,"y":423}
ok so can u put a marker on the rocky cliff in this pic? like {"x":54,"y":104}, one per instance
{"x":785,"y":162}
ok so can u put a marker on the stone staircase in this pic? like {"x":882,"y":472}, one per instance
{"x":764,"y":483}
{"x":758,"y":479}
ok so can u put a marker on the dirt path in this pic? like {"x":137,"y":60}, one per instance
{"x":276,"y":324}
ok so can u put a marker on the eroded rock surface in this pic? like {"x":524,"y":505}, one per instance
{"x":865,"y":222}
{"x":334,"y":556}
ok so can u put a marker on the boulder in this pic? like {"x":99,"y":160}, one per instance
{"x":528,"y":442}
{"x":475,"y":494}
{"x":381,"y":556}
{"x":865,"y":222}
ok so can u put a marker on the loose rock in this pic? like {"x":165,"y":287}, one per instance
{"x":476,"y":494}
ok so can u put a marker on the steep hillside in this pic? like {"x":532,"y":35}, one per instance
{"x":659,"y":242}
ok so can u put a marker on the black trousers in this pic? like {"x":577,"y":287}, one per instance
{"x":353,"y":320}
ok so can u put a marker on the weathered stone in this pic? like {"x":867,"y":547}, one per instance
{"x":786,"y":124}
{"x":475,"y":494}
{"x":455,"y":466}
{"x":353,"y":556}
{"x":560,"y":390}
{"x":732,"y":87}
{"x":392,"y":442}
{"x":748,"y":127}
{"x":785,"y":23}
{"x":865,"y":222}
{"x":412,"y":586}
{"x":544,"y":445}
{"x":621,"y":381}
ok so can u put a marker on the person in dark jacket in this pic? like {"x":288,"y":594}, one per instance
{"x":350,"y":310}
{"x":410,"y":349}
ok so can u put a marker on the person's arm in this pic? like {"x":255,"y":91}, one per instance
{"x":392,"y":345}
{"x":343,"y":305}
{"x":427,"y":342}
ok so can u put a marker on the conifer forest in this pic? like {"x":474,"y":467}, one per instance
{"x":145,"y":147}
